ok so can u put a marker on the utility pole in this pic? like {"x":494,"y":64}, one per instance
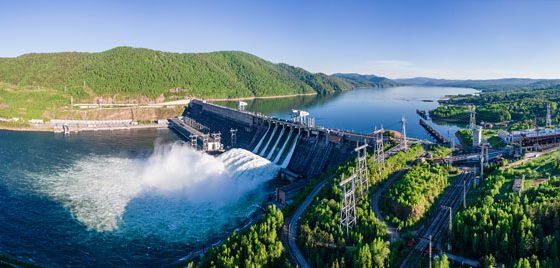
{"x":548,"y":116}
{"x":450,"y":226}
{"x":430,"y":251}
{"x":379,"y":149}
{"x":403,"y":122}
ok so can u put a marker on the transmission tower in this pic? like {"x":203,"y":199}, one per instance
{"x":379,"y":149}
{"x":193,"y":142}
{"x":403,"y":122}
{"x":472,"y":121}
{"x":361,"y":168}
{"x":548,"y":116}
{"x":233,"y":140}
{"x":348,"y":210}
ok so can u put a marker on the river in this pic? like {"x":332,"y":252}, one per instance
{"x":142,"y":198}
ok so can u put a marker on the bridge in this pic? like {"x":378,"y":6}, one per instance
{"x":473,"y":157}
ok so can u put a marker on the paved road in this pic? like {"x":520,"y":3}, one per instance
{"x":294,"y":221}
{"x":391,"y":231}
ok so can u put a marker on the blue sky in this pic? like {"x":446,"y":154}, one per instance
{"x":474,"y":39}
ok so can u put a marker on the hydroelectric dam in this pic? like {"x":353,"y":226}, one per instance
{"x":302,"y":150}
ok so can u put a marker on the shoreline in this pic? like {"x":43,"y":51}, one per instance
{"x":114,"y":128}
{"x":29,"y":129}
{"x":32,"y":129}
{"x":262,"y":97}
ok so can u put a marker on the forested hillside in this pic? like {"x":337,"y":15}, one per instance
{"x":361,"y":80}
{"x":133,"y":71}
{"x":516,"y":229}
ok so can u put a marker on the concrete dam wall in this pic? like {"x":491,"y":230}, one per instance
{"x":305,"y":151}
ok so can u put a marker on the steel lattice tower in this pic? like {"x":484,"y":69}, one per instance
{"x":472,"y":119}
{"x":379,"y":150}
{"x":348,"y":210}
{"x":404,"y":143}
{"x":361,"y":168}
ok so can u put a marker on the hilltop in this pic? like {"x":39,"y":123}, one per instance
{"x":363,"y":80}
{"x":31,"y":84}
{"x":131,"y":71}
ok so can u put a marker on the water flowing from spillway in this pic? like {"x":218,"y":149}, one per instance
{"x":174,"y":186}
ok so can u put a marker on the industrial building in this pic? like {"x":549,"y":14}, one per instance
{"x":531,"y":137}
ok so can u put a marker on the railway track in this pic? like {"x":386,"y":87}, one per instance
{"x":438,"y":221}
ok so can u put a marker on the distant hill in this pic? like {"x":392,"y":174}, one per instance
{"x":361,"y":80}
{"x":126,"y":71}
{"x":486,"y":85}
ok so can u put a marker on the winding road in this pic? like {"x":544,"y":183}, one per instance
{"x":293,"y":225}
{"x":391,"y":231}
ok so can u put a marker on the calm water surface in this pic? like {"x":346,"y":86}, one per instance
{"x":363,"y":109}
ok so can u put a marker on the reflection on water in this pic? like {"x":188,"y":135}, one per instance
{"x":363,"y":109}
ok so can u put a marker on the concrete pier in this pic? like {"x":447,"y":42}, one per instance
{"x":433,"y":132}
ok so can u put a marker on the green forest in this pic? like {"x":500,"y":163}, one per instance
{"x":326,"y":244}
{"x":523,"y":108}
{"x":413,"y":195}
{"x":516,"y":229}
{"x":259,"y":246}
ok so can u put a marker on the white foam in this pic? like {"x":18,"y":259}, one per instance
{"x":96,"y":189}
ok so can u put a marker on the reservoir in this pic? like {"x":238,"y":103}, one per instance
{"x":143,"y":198}
{"x":361,"y":110}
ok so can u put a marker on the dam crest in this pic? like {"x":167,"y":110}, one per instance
{"x":300,"y":149}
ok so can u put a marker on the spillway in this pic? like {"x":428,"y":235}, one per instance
{"x":303,"y":150}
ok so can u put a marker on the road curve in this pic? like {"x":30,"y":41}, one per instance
{"x":293,"y":225}
{"x":391,"y":231}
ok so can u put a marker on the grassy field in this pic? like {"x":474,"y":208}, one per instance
{"x":28,"y":103}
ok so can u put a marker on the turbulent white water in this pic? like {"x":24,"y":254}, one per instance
{"x":102,"y":191}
